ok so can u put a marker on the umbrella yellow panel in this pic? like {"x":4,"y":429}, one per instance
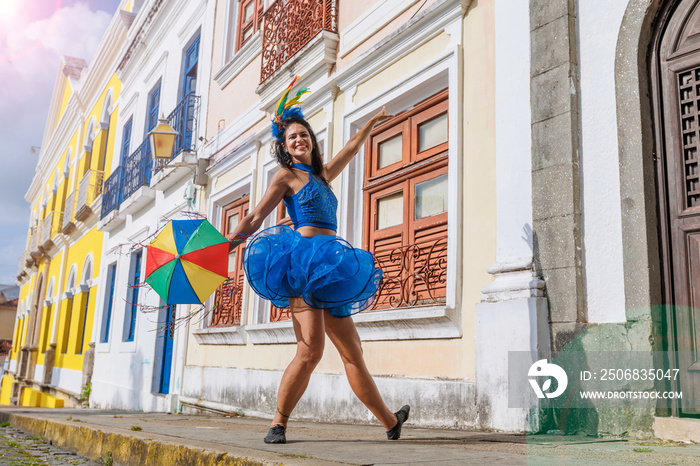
{"x":203,"y":282}
{"x":165,"y":240}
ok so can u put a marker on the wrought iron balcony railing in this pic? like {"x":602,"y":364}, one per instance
{"x":291,"y":24}
{"x":111,"y":194}
{"x":183,"y":120}
{"x":138,"y":169}
{"x":414,"y":275}
{"x":36,"y":238}
{"x":68,"y":212}
{"x":90,"y":188}
{"x":140,"y":165}
{"x":53,"y":223}
{"x":21,"y":265}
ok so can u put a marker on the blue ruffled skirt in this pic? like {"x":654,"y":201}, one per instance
{"x":325,"y":270}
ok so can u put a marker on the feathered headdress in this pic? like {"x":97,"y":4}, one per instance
{"x":285,"y":109}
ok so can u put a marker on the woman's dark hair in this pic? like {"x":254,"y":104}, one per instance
{"x":284,"y":158}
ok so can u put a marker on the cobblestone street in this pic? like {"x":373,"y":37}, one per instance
{"x":20,"y":449}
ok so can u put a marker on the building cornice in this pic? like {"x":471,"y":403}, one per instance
{"x":141,"y":26}
{"x":155,"y":28}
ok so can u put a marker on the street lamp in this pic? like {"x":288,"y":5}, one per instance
{"x":162,"y":139}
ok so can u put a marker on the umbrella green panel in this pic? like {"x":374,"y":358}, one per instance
{"x":204,"y":236}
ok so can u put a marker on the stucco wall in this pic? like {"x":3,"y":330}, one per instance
{"x":447,"y":358}
{"x":602,"y":232}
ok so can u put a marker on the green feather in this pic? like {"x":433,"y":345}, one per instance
{"x":296,"y":98}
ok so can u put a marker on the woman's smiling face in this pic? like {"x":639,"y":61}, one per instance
{"x":297,"y":141}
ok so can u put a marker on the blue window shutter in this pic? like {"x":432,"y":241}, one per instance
{"x":111,"y":276}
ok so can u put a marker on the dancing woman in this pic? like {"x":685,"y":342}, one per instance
{"x":320,"y":276}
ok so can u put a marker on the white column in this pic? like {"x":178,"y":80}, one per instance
{"x":512,"y":315}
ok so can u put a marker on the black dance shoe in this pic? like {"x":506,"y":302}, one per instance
{"x":276,"y":434}
{"x":401,"y":417}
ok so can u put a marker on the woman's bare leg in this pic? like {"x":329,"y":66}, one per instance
{"x":308,"y":328}
{"x":344,"y":336}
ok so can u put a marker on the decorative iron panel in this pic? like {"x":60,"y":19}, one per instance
{"x":111,"y":194}
{"x":279,"y":314}
{"x":138,"y":169}
{"x":227,"y":305}
{"x":291,"y":24}
{"x":689,"y":96}
{"x":414,"y":275}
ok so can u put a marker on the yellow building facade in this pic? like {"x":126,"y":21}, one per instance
{"x":52,"y":352}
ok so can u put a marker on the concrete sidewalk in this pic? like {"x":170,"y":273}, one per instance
{"x":163,"y":439}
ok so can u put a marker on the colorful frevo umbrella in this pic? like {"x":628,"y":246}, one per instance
{"x":187,"y":261}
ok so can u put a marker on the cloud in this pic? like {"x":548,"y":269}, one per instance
{"x":74,"y":30}
{"x":27,"y":79}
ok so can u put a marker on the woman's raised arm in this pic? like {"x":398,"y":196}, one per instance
{"x":341,"y":160}
{"x":279,"y":186}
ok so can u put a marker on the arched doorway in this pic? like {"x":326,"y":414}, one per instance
{"x":675,"y":75}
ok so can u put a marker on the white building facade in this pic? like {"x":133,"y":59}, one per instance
{"x":164,"y":67}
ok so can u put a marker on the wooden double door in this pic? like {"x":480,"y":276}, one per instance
{"x":677,"y":99}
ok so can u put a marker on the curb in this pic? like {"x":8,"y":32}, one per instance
{"x":124,"y":449}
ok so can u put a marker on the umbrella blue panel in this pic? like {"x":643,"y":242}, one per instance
{"x":181,"y":291}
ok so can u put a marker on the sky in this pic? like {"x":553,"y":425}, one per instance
{"x":34,"y":34}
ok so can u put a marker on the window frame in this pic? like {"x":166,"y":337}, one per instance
{"x":243,"y":185}
{"x":435,"y":110}
{"x":82,"y":323}
{"x":131,"y":309}
{"x":406,"y":123}
{"x":127,"y":131}
{"x":414,"y":168}
{"x":152,"y":108}
{"x":239,"y":206}
{"x":254,"y":21}
{"x":69,"y":298}
{"x":109,"y":303}
{"x":373,"y":168}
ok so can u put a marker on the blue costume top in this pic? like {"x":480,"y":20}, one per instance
{"x":325,"y":270}
{"x":313,"y":205}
